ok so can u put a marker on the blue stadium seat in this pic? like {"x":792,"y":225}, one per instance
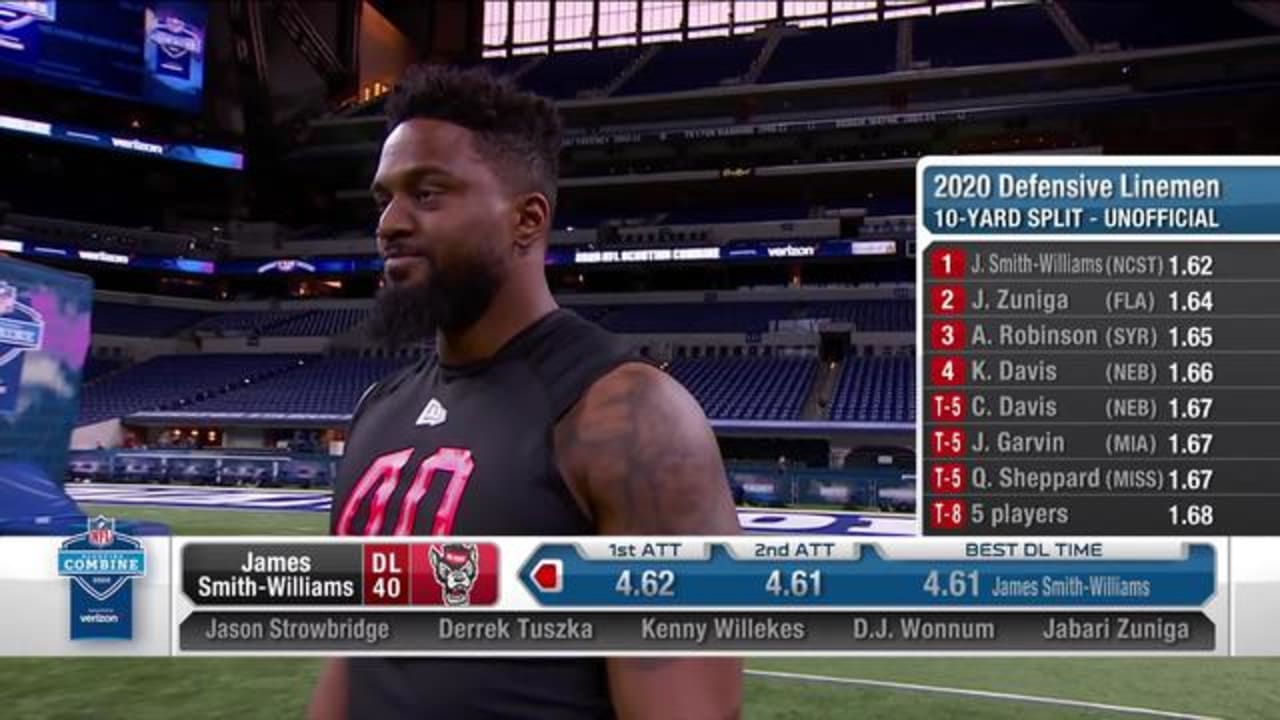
{"x":965,"y":38}
{"x":172,"y":381}
{"x":746,"y":388}
{"x":843,"y":51}
{"x":95,"y":367}
{"x":876,"y":389}
{"x":749,"y":317}
{"x":694,"y":64}
{"x":564,"y":75}
{"x":142,"y":320}
{"x":321,"y":385}
{"x":1148,"y":23}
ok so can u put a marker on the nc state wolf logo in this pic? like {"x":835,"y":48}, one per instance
{"x":456,"y":571}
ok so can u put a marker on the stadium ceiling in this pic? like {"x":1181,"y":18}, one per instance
{"x":526,"y":27}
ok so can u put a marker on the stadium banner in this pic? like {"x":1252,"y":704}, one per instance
{"x":135,"y":261}
{"x":220,"y":158}
{"x":607,"y":596}
{"x":559,"y":255}
{"x":590,"y":255}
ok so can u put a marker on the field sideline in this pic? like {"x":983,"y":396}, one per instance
{"x":277,"y":688}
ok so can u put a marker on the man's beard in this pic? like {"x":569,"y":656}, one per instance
{"x":448,"y":301}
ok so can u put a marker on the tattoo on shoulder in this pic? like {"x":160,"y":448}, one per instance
{"x":648,"y":458}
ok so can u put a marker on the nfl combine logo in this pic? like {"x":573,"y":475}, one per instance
{"x":102,"y":565}
{"x":21,"y":331}
{"x":102,"y":532}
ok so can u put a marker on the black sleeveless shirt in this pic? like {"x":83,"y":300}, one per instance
{"x":499,"y":415}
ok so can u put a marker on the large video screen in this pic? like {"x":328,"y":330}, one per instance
{"x":150,"y":51}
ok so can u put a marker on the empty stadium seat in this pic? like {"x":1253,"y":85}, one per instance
{"x":701,"y":63}
{"x":750,"y":317}
{"x":142,"y":320}
{"x":95,"y":367}
{"x":171,"y":381}
{"x":965,"y":38}
{"x":320,"y":386}
{"x":843,"y":51}
{"x":1147,"y":24}
{"x":564,"y":75}
{"x":876,"y":389}
{"x":746,"y":388}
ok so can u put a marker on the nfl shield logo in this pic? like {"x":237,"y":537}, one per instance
{"x":102,"y":532}
{"x":8,"y":298}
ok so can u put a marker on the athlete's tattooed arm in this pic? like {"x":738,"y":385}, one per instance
{"x":639,"y":456}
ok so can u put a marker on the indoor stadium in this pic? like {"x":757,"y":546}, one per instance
{"x":189,"y":181}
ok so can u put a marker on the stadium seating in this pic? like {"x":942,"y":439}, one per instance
{"x":868,"y":315}
{"x":965,"y":38}
{"x":171,"y":381}
{"x":506,"y":66}
{"x":285,"y":323}
{"x":739,"y":214}
{"x":743,"y":388}
{"x":321,"y":385}
{"x":726,"y":317}
{"x":95,"y":367}
{"x":563,"y":76}
{"x":876,"y":389}
{"x":685,"y":66}
{"x":1153,"y":23}
{"x":142,"y":320}
{"x":821,"y":54}
{"x":318,"y":323}
{"x":248,"y":322}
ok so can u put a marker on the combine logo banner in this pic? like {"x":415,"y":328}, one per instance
{"x":178,"y":44}
{"x":21,"y":329}
{"x":18,"y":33}
{"x":102,"y":565}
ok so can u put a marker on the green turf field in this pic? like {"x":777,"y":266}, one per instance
{"x":269,"y":688}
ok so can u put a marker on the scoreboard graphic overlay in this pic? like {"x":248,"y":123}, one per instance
{"x":1097,"y":466}
{"x":746,"y":595}
{"x":1100,"y":342}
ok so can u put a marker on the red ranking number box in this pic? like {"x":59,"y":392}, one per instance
{"x":946,"y":406}
{"x":947,"y":442}
{"x":946,"y":299}
{"x":948,"y":515}
{"x":948,"y":478}
{"x":946,"y":335}
{"x":947,"y":371}
{"x":947,"y":263}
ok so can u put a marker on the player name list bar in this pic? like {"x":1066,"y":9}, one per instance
{"x":620,"y":632}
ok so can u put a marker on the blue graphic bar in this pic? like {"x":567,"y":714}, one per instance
{"x":182,"y":152}
{"x":1133,"y":200}
{"x":869,"y":581}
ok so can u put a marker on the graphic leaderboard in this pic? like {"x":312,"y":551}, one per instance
{"x":1098,"y":345}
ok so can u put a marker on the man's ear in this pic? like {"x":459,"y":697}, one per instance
{"x":533,"y":220}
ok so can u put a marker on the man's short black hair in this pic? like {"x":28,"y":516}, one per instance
{"x":518,"y":132}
